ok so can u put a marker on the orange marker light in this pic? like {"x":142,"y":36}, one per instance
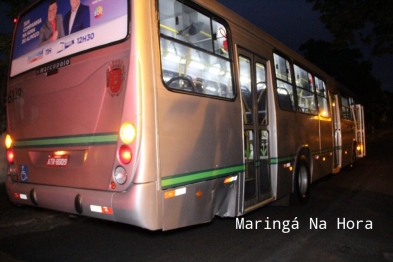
{"x":170,"y":194}
{"x":8,"y":141}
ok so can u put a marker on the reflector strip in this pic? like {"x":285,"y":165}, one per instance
{"x":20,"y":196}
{"x":230,"y":179}
{"x":194,"y":177}
{"x":188,"y":178}
{"x":100,"y":209}
{"x":176,"y":192}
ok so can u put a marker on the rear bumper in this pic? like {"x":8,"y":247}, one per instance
{"x":136,"y":206}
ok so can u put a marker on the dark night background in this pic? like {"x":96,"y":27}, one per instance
{"x":293,"y":22}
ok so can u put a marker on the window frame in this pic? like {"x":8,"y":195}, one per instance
{"x":346,"y":110}
{"x":325,"y":97}
{"x":263,"y":94}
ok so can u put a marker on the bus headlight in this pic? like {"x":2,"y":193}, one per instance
{"x":120,"y":175}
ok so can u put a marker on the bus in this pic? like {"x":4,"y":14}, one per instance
{"x":166,"y":113}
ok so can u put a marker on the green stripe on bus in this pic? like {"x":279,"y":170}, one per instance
{"x":188,"y":178}
{"x":322,"y":151}
{"x":68,"y":141}
{"x":279,"y":160}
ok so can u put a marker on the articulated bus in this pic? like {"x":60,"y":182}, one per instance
{"x":165,"y":113}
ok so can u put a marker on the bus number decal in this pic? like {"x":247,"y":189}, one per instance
{"x":14,"y":95}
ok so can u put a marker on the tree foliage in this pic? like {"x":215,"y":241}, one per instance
{"x":352,"y":20}
{"x":346,"y":65}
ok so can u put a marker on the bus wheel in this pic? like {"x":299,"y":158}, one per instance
{"x":301,"y":183}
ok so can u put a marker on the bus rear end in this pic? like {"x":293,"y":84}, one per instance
{"x":72,"y":142}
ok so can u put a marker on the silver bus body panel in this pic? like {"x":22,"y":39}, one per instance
{"x":188,"y":126}
{"x":188,"y":209}
{"x":135,"y":202}
{"x":142,"y":97}
{"x":136,"y":206}
{"x":77,"y":85}
{"x":66,"y":108}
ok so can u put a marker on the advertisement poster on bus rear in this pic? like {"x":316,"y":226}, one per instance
{"x":54,"y":29}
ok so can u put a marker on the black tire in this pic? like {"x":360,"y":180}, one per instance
{"x":301,"y":183}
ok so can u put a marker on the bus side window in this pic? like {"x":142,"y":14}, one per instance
{"x":194,"y":51}
{"x":284,"y":83}
{"x":322,"y":97}
{"x":345,"y":109}
{"x":305,"y":91}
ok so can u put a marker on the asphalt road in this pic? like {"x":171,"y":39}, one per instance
{"x":328,"y":228}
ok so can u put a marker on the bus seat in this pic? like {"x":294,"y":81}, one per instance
{"x":284,"y":99}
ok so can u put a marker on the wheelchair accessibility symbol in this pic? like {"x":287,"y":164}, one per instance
{"x":24,"y":173}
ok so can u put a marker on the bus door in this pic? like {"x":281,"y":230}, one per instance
{"x":360,"y":131}
{"x":337,"y":132}
{"x":253,"y":83}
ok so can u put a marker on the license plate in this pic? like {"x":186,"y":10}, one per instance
{"x":59,"y":161}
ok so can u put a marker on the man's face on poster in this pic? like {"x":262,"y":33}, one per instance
{"x":74,"y":4}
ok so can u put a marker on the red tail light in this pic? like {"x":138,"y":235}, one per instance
{"x":10,"y":155}
{"x":125,"y":154}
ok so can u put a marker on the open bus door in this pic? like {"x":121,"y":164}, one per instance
{"x":360,"y":131}
{"x":335,"y":105}
{"x":253,"y":82}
